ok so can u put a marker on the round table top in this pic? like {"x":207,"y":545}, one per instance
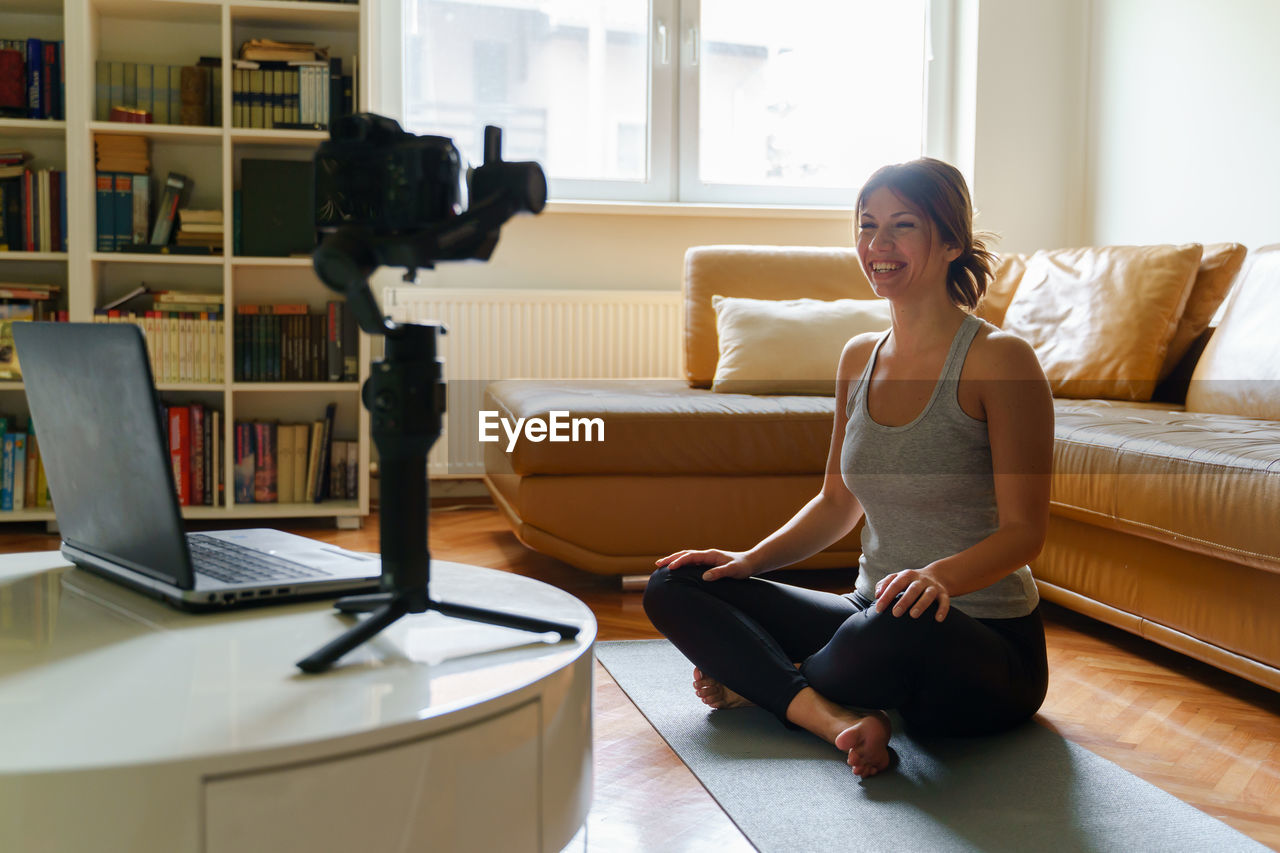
{"x":95,"y":675}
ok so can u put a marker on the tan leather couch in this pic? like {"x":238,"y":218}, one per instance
{"x":1165,"y":516}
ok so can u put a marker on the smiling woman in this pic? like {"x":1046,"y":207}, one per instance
{"x":942,"y":443}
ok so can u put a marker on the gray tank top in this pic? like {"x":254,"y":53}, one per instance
{"x":927,"y":487}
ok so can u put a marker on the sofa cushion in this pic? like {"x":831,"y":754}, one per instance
{"x":1239,"y":371}
{"x":1004,"y":283}
{"x":757,"y":272}
{"x":1204,"y":482}
{"x":1218,"y":268}
{"x":662,"y":426}
{"x":788,"y":346}
{"x":1101,"y":319}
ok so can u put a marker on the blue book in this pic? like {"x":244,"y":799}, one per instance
{"x":106,"y":212}
{"x":6,"y":478}
{"x":122,"y":198}
{"x":35,"y":77}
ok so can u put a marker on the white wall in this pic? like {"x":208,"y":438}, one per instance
{"x":1185,"y":121}
{"x":1029,"y":134}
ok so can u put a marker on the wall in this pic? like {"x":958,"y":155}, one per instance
{"x":1029,"y":131}
{"x":1184,"y":121}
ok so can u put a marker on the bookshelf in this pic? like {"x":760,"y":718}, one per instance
{"x":180,"y":32}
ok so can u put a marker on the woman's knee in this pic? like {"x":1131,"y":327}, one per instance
{"x":664,"y":590}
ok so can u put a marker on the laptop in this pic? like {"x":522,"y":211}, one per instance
{"x":98,"y":421}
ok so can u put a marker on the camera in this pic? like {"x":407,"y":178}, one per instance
{"x":373,"y":175}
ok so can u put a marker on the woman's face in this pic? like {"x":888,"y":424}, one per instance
{"x":899,"y":248}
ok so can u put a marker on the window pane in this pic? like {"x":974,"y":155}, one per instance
{"x":567,"y":80}
{"x":820,"y":96}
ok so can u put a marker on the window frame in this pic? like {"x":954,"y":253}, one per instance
{"x":672,"y":99}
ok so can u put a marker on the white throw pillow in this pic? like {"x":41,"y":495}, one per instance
{"x":788,"y":346}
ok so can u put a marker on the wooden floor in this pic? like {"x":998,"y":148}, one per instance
{"x":1208,"y":738}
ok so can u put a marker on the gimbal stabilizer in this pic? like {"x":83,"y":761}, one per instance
{"x":405,"y":392}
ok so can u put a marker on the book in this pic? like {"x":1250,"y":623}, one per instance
{"x":313,"y":461}
{"x":285,"y":452}
{"x":180,"y":451}
{"x":353,"y":470}
{"x":176,"y":186}
{"x":19,"y":474}
{"x":244,"y":462}
{"x":265,"y":478}
{"x":9,"y":367}
{"x":326,"y":442}
{"x":338,"y":470}
{"x":301,"y":452}
{"x":197,"y":452}
{"x":6,"y":471}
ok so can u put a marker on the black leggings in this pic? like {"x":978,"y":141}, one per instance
{"x":961,"y":676}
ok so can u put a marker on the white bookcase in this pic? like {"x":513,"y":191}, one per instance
{"x":179,"y":32}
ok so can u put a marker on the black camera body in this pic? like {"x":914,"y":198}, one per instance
{"x":374,"y":175}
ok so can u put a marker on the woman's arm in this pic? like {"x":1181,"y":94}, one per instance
{"x":825,"y":519}
{"x":1018,"y":405}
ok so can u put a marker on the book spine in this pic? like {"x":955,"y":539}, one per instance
{"x":216,"y":448}
{"x":160,"y":94}
{"x":141,"y":208}
{"x":35,"y":78}
{"x":333,"y":340}
{"x":145,"y":99}
{"x":106,"y":212}
{"x":32,"y":480}
{"x":116,"y":96}
{"x":353,"y":470}
{"x":197,"y":453}
{"x":123,"y":200}
{"x":244,"y":463}
{"x":338,"y":470}
{"x":130,"y":96}
{"x":326,"y":447}
{"x":180,"y":451}
{"x":6,"y":473}
{"x":19,"y":485}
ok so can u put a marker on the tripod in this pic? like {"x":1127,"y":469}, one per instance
{"x":405,"y":395}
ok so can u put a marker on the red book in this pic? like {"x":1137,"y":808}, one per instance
{"x":265,"y":485}
{"x":197,"y":453}
{"x":180,"y":451}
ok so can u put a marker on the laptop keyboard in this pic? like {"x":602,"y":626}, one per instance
{"x":232,"y":563}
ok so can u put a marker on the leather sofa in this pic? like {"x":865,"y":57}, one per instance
{"x":1165,"y":514}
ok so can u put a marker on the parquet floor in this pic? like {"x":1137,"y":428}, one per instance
{"x":1207,"y":737}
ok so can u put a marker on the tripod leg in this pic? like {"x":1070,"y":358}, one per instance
{"x":362,"y":603}
{"x":506,"y":620}
{"x":321,"y":660}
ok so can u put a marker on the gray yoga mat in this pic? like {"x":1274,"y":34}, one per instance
{"x":1027,"y":790}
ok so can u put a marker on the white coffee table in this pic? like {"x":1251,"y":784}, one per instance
{"x":127,"y":725}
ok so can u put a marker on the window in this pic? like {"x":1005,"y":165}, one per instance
{"x":750,"y":101}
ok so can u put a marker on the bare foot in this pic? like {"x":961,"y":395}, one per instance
{"x":715,"y":694}
{"x":867,"y":742}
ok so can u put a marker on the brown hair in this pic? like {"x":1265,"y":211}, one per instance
{"x":939,"y":191}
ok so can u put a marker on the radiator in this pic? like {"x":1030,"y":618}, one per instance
{"x":535,"y":334}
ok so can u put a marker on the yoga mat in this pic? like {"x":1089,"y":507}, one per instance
{"x":1026,"y":790}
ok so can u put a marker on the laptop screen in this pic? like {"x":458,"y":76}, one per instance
{"x":97,"y":421}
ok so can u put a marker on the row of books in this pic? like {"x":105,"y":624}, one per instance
{"x":23,"y":484}
{"x":123,"y":210}
{"x":10,"y":369}
{"x":289,"y":95}
{"x":289,"y":343}
{"x":33,"y":210}
{"x":193,"y":434}
{"x":31,"y":79}
{"x":294,"y":463}
{"x":183,"y":346}
{"x":160,"y":94}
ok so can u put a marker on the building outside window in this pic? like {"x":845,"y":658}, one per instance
{"x":732,"y":101}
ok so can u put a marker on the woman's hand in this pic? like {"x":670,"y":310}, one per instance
{"x":724,"y":564}
{"x":919,"y":590}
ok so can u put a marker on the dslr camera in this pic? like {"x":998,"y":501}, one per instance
{"x":394,"y":186}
